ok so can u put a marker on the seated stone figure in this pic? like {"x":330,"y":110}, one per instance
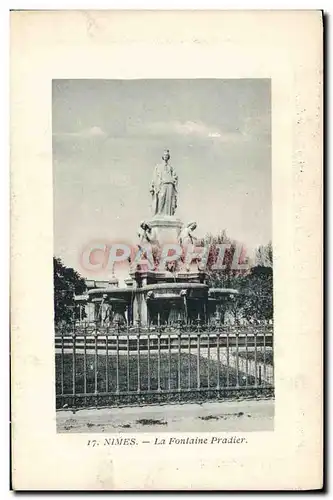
{"x":186,"y":236}
{"x":146,"y":240}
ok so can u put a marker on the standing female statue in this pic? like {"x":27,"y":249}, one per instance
{"x":164,"y":188}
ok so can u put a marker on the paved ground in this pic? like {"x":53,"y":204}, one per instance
{"x":233,"y":416}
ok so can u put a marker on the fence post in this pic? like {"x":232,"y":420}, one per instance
{"x":179,"y":352}
{"x":218,"y":333}
{"x":159,"y":353}
{"x":198,"y":352}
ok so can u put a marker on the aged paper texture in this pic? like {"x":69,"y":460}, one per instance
{"x":168,"y":126}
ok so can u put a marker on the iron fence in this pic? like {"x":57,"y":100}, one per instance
{"x":100,"y":365}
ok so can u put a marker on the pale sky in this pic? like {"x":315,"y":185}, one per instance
{"x":109,"y":134}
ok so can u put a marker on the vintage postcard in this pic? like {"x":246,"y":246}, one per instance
{"x":166,"y":250}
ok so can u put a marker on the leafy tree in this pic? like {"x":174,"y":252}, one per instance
{"x":226,"y":277}
{"x":264,"y":255}
{"x":67,"y":282}
{"x":234,"y":305}
{"x":255,"y":284}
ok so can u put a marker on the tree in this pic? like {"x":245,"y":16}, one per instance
{"x":227,"y":277}
{"x":255,"y":283}
{"x":257,"y":290}
{"x":258,"y":287}
{"x":67,"y":282}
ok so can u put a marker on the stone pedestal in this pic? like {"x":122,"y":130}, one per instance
{"x":166,"y":229}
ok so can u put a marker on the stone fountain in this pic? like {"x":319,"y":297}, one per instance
{"x":157,"y":292}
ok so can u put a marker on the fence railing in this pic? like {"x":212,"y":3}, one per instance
{"x":112,"y":366}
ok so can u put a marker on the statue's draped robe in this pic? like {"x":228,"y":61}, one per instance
{"x":164,"y":186}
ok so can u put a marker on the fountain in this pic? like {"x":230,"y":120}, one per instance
{"x":158,"y":292}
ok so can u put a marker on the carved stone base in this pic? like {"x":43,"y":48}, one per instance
{"x":166,"y":228}
{"x":165,"y":300}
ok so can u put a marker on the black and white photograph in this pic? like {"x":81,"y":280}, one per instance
{"x":163,"y":255}
{"x":166,"y":250}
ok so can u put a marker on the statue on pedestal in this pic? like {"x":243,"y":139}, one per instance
{"x":164,"y":188}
